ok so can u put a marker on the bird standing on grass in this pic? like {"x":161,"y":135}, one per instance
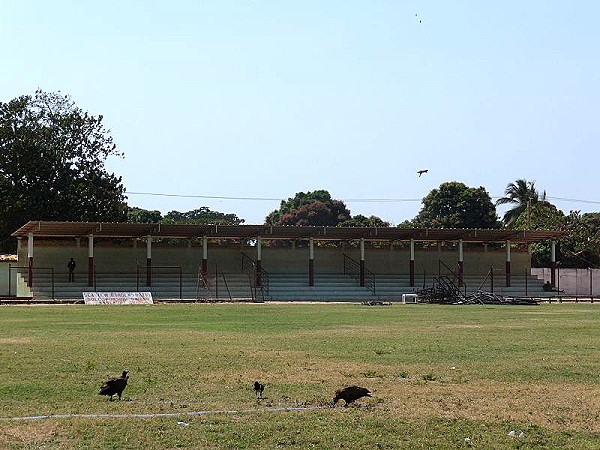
{"x":350,"y":394}
{"x":259,"y":388}
{"x":114,"y":386}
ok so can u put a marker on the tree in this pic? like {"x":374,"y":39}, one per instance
{"x":522,"y":195}
{"x":52,"y":165}
{"x":454,"y":205}
{"x":139,"y":215}
{"x":581,"y":248}
{"x":364,"y":221}
{"x":311,"y":208}
{"x":202,"y":216}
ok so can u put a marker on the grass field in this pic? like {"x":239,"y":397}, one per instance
{"x":442,"y":377}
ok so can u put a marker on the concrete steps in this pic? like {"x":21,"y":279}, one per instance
{"x":282,"y":287}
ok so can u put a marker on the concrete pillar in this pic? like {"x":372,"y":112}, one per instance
{"x":508,"y":264}
{"x":412,"y":263}
{"x":30,"y":259}
{"x":258,"y":262}
{"x":91,"y":260}
{"x":311,"y":262}
{"x":553,"y":264}
{"x":204,"y":255}
{"x":149,"y":261}
{"x":362,"y":262}
{"x":460,"y":263}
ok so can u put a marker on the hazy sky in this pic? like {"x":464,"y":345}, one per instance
{"x":262,"y":99}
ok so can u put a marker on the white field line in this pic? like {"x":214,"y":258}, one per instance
{"x":155,"y":415}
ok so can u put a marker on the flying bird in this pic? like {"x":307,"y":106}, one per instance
{"x":114,"y":386}
{"x":350,"y":394}
{"x":259,"y":388}
{"x":422,"y":171}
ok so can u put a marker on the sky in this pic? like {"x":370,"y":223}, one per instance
{"x":237,"y":105}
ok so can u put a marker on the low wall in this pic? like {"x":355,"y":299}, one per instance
{"x":383,"y":260}
{"x":4,"y":283}
{"x":574,"y":282}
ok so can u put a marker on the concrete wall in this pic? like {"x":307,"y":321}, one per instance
{"x":574,"y":282}
{"x":384,"y":260}
{"x":4,"y":274}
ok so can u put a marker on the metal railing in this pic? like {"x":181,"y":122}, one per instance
{"x":352,"y":268}
{"x":455,"y":276}
{"x":259,"y":280}
{"x":158,"y":270}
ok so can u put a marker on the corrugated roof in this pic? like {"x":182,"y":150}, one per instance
{"x":48,"y":229}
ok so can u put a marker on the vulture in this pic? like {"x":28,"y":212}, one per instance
{"x":259,"y":388}
{"x":114,"y":386}
{"x":350,"y":394}
{"x":422,"y":171}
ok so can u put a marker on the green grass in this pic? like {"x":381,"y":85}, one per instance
{"x":439,"y":375}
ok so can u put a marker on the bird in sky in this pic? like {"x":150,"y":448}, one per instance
{"x":422,"y":171}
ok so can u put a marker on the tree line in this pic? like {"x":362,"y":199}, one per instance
{"x":53,"y":168}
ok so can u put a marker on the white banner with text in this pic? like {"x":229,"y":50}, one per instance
{"x":117,"y":298}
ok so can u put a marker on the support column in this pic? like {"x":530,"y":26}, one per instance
{"x":30,"y":259}
{"x":508,"y":264}
{"x":149,"y":261}
{"x":412,"y":263}
{"x":460,"y":263}
{"x":362,"y":262}
{"x":91,"y":260}
{"x":553,"y":264}
{"x":311,"y":262}
{"x":204,"y":256}
{"x":258,"y":262}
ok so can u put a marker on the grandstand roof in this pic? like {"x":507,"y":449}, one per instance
{"x":50,"y":229}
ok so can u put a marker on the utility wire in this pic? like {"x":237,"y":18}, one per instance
{"x":356,"y":200}
{"x":220,"y":197}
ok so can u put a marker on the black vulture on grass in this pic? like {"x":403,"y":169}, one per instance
{"x":350,"y":394}
{"x":259,"y":388}
{"x":114,"y":386}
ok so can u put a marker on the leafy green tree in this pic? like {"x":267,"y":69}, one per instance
{"x":540,"y":216}
{"x":581,"y":248}
{"x":52,"y":165}
{"x":311,"y":208}
{"x":139,"y":215}
{"x":202,"y":216}
{"x":522,"y":195}
{"x":454,"y":205}
{"x":364,"y":221}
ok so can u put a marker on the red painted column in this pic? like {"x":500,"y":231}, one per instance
{"x":149,"y":261}
{"x":258,"y":262}
{"x":311,"y":262}
{"x":553,"y":265}
{"x":460,"y":263}
{"x":30,"y":260}
{"x":508,"y":280}
{"x":362,"y":262}
{"x":91,"y":260}
{"x":204,"y":256}
{"x":412,"y":263}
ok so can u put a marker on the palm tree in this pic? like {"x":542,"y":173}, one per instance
{"x":522,"y":194}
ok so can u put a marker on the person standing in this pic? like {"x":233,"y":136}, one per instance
{"x":71,"y":265}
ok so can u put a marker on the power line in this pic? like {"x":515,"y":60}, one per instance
{"x":215,"y":197}
{"x":220,"y":197}
{"x":354,"y":200}
{"x":574,"y":200}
